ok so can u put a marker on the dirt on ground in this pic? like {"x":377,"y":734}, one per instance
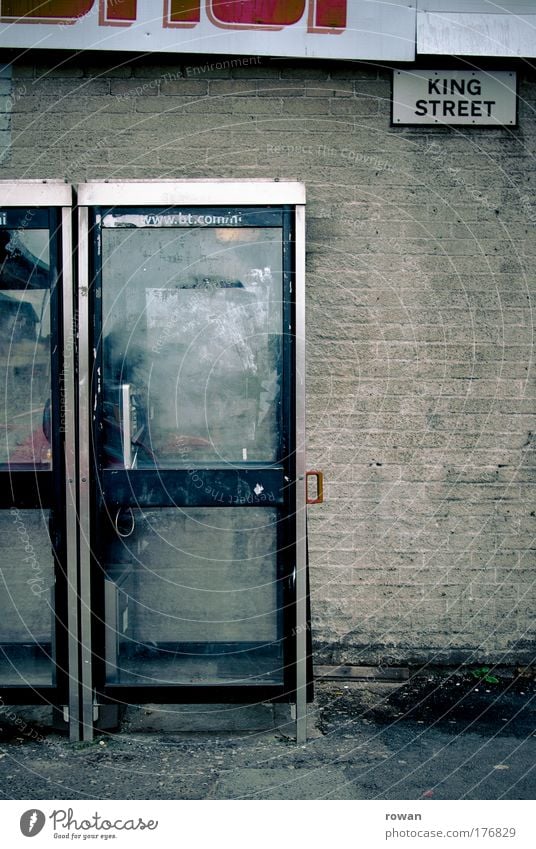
{"x":443,"y":735}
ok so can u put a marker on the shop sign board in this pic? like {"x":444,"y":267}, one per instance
{"x":331,"y":29}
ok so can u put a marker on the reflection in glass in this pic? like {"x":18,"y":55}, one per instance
{"x":193,"y":596}
{"x":27,"y":585}
{"x":24,"y":349}
{"x":192,"y":327}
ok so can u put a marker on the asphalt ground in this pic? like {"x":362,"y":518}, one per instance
{"x":441,"y":736}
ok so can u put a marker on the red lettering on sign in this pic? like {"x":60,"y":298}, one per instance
{"x":330,"y":14}
{"x":119,"y":13}
{"x":255,"y":14}
{"x":323,"y":15}
{"x":182,"y":13}
{"x":45,"y":11}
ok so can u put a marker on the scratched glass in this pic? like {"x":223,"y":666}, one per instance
{"x":193,"y":341}
{"x":27,"y":587}
{"x":193,"y":596}
{"x":24,"y":349}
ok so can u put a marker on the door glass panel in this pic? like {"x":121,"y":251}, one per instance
{"x":27,"y":586}
{"x":192,"y":339}
{"x":193,"y":597}
{"x":24,"y":349}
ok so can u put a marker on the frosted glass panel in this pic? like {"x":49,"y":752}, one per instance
{"x":26,"y":588}
{"x":24,"y":349}
{"x":194,"y":596}
{"x":192,"y":332}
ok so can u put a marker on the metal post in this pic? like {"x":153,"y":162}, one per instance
{"x":84,"y":495}
{"x":69,"y":424}
{"x":301,"y":530}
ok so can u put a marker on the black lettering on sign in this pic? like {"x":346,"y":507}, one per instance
{"x":457,"y":87}
{"x":454,"y":86}
{"x":474,"y":87}
{"x":454,"y":108}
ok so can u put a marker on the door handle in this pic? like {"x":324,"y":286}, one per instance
{"x":319,"y":476}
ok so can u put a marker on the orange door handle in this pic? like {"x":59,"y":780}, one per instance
{"x":319,"y":476}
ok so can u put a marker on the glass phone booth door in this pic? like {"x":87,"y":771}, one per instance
{"x":38,"y":574}
{"x":193,"y":474}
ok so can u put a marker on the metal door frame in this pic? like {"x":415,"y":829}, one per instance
{"x":57,"y":195}
{"x":195,"y":193}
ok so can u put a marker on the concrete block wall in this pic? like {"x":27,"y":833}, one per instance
{"x":420,"y":303}
{"x":7,"y":96}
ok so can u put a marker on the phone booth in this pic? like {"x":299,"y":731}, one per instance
{"x":152,"y":512}
{"x":38,"y":563}
{"x":192,"y":477}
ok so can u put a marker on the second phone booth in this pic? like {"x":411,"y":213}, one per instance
{"x":39,"y":637}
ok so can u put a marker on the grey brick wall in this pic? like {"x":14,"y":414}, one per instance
{"x":6,"y":105}
{"x":420,"y":298}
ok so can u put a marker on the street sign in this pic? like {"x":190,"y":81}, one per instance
{"x":455,"y":98}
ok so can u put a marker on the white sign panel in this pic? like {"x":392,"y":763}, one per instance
{"x":465,"y":32}
{"x":332,"y":29}
{"x":455,"y":98}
